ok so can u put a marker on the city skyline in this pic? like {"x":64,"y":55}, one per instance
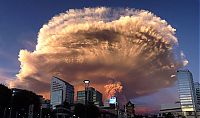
{"x":27,"y":23}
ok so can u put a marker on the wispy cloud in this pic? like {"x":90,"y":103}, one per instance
{"x":28,"y":40}
{"x":7,"y":71}
{"x":5,"y":76}
{"x":29,"y":44}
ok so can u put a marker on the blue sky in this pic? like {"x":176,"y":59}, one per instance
{"x":21,"y":20}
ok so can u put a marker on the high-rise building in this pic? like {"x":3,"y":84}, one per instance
{"x":197,"y":93}
{"x":186,"y":92}
{"x":61,"y":92}
{"x":93,"y":96}
{"x":173,"y":108}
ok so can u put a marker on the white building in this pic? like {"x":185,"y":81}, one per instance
{"x":186,"y":92}
{"x":61,"y":92}
{"x":175,"y":109}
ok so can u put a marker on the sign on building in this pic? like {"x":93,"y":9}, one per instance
{"x":113,"y":100}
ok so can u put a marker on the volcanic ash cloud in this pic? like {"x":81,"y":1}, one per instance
{"x":132,"y":47}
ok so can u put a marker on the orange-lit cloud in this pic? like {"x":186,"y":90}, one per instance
{"x":113,"y":88}
{"x":133,"y":47}
{"x":4,"y":78}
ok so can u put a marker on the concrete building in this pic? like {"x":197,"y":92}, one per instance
{"x":186,"y":92}
{"x":94,"y":96}
{"x":61,"y":92}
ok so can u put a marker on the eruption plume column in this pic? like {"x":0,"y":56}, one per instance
{"x":96,"y":43}
{"x":113,"y":88}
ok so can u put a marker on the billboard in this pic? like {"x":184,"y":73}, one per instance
{"x":113,"y":100}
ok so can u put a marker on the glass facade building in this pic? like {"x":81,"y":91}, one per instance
{"x":61,"y":92}
{"x":186,"y":91}
{"x":94,"y":96}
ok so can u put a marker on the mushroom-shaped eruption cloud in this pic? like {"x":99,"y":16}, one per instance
{"x":132,"y":47}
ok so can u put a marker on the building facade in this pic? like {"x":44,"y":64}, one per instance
{"x":174,"y":109}
{"x":186,"y":92}
{"x":61,"y":92}
{"x":94,"y":96}
{"x":197,"y":93}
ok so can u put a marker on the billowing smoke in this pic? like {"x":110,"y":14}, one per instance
{"x":113,"y":88}
{"x":133,"y":46}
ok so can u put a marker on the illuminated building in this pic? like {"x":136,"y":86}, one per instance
{"x":186,"y":92}
{"x":173,"y":108}
{"x":61,"y":92}
{"x":94,"y":96}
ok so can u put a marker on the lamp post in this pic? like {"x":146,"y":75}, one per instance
{"x":4,"y":113}
{"x":41,"y":111}
{"x":86,"y":82}
{"x":11,"y":103}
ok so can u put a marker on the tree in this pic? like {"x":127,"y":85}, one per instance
{"x":5,"y":96}
{"x":18,"y":99}
{"x":66,"y":105}
{"x":92,"y":111}
{"x":170,"y":115}
{"x":79,"y":110}
{"x":22,"y":99}
{"x":89,"y":111}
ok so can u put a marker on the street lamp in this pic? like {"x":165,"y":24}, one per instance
{"x":11,"y":103}
{"x":86,"y":82}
